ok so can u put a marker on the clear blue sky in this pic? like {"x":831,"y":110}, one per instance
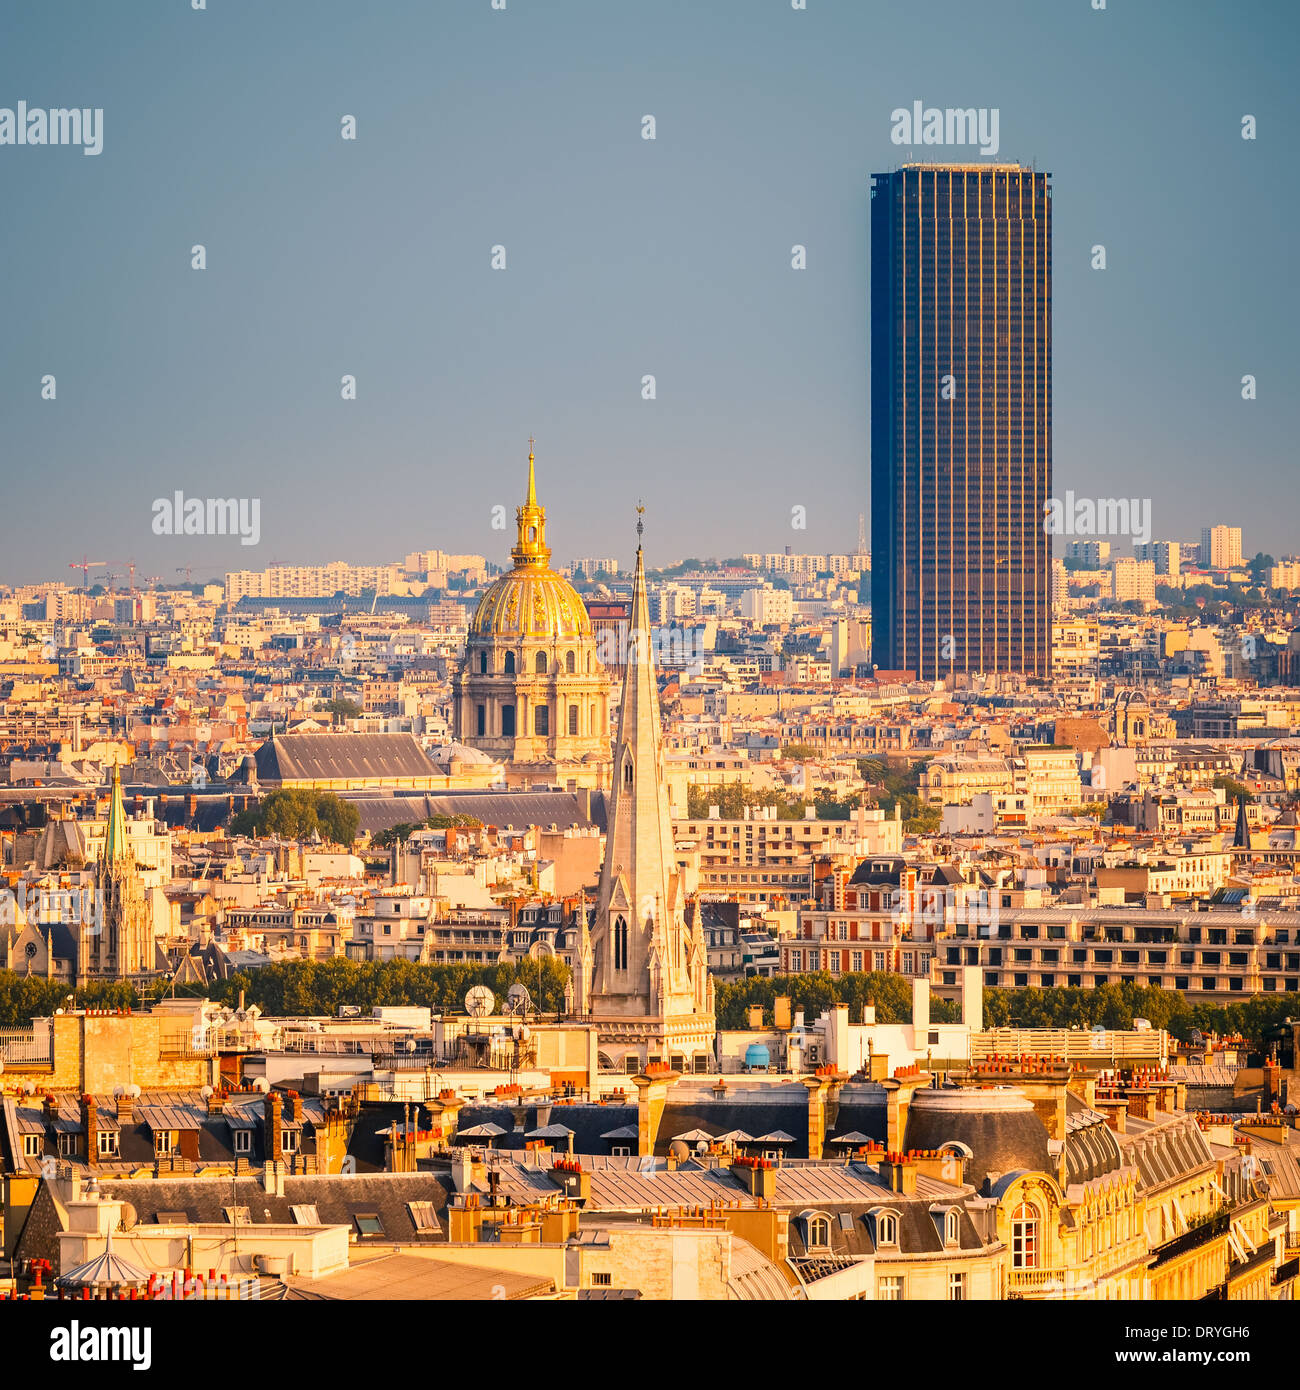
{"x":625,"y":257}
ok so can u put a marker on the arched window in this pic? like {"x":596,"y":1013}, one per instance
{"x":951,"y":1227}
{"x":570,"y":663}
{"x":507,"y":721}
{"x":540,"y":664}
{"x":627,"y":773}
{"x":542,"y":721}
{"x":886,"y":1228}
{"x":510,"y":664}
{"x":819,"y":1231}
{"x":482,"y":663}
{"x":620,"y":943}
{"x":573,"y":720}
{"x":1025,"y":1250}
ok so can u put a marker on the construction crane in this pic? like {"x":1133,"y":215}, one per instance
{"x":153,"y":580}
{"x":85,"y":566}
{"x":130,"y":566}
{"x":186,"y":570}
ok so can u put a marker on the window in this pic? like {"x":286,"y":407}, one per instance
{"x":510,"y":664}
{"x":620,"y":943}
{"x":951,"y":1227}
{"x":482,"y":663}
{"x":508,"y":716}
{"x":573,"y":721}
{"x":540,"y":664}
{"x":288,"y":1141}
{"x":570,"y":663}
{"x":236,"y":1216}
{"x":480,"y":719}
{"x":108,"y":1142}
{"x":957,"y":1288}
{"x":243,"y":1141}
{"x":542,"y":721}
{"x":368,"y":1223}
{"x":600,"y":1280}
{"x":886,"y":1228}
{"x":305,"y":1215}
{"x":819,"y":1231}
{"x":889,"y":1288}
{"x":1024,"y":1237}
{"x":423,"y":1217}
{"x":164,"y":1141}
{"x":33,"y":1145}
{"x":620,"y":1151}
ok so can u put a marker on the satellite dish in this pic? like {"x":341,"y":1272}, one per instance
{"x":206,"y":1092}
{"x":261,"y":1084}
{"x":479,"y":1002}
{"x":518,"y":999}
{"x":701,"y":1146}
{"x":129,"y":1216}
{"x":134,"y":1090}
{"x":679,"y":1150}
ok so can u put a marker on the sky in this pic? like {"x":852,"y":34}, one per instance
{"x":522,"y":128}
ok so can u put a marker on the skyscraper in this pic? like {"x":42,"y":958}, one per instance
{"x":961,"y":418}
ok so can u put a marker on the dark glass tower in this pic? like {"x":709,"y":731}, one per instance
{"x":961,"y":419}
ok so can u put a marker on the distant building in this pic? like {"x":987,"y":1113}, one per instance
{"x":961,"y":425}
{"x":1220,"y":547}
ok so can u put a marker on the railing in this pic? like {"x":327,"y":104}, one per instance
{"x":1286,"y":1272}
{"x":1038,"y":1283}
{"x":21,"y":1047}
{"x":1210,"y":1229}
{"x":1075,"y":1045}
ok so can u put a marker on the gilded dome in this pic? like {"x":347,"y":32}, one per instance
{"x":531,"y":600}
{"x":531,"y":603}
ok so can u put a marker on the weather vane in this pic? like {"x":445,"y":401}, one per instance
{"x":640,"y":523}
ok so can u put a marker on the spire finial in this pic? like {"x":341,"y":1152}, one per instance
{"x":640,"y":523}
{"x":532,"y":483}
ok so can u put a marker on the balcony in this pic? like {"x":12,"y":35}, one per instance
{"x":1038,"y":1283}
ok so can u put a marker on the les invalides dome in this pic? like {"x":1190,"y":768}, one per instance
{"x":531,"y":690}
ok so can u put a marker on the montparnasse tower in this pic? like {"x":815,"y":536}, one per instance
{"x":531,"y":690}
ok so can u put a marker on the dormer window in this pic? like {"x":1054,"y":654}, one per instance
{"x":33,"y":1145}
{"x":107,"y":1143}
{"x":243,"y":1141}
{"x":819,"y":1231}
{"x":951,"y":1227}
{"x":886,"y":1228}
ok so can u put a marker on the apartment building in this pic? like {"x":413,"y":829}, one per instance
{"x":762,"y":860}
{"x":1218,"y":954}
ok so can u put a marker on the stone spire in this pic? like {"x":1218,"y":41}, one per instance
{"x":643,"y":956}
{"x":116,"y":845}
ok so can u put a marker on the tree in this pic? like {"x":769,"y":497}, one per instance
{"x":294,"y":813}
{"x":799,"y":752}
{"x":341,"y":709}
{"x":1236,"y":791}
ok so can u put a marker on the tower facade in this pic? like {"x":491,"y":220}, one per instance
{"x":642,"y":973}
{"x":961,"y":419}
{"x":531,"y":691}
{"x":117,"y":942}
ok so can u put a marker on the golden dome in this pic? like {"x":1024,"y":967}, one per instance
{"x":532,"y":600}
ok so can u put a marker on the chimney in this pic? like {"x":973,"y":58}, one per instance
{"x":462,"y":1169}
{"x":125,"y":1105}
{"x":1140,"y":1103}
{"x":272,"y":1127}
{"x":1117,"y":1117}
{"x":90,"y":1123}
{"x":898,"y":1173}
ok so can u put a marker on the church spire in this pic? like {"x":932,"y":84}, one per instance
{"x":115,"y":841}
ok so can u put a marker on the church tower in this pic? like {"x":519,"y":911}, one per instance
{"x":642,"y":972}
{"x":118,"y":942}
